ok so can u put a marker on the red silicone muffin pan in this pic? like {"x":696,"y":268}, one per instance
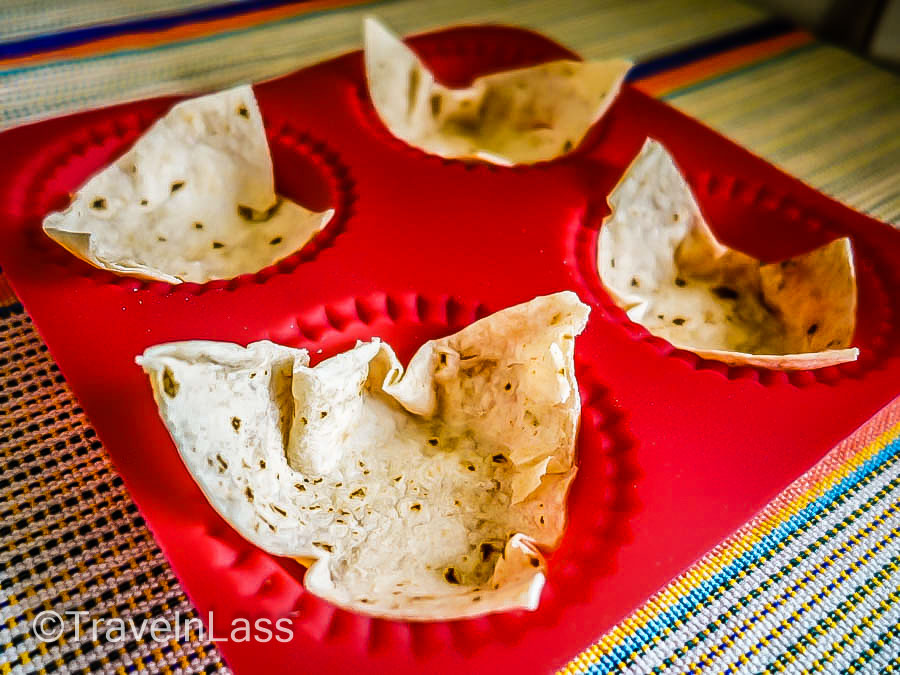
{"x":676,"y":452}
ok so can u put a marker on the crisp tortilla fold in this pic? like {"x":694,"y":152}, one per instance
{"x":424,"y":494}
{"x":193,"y":200}
{"x":660,"y":262}
{"x":515,"y":117}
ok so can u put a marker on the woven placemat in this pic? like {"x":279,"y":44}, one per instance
{"x":72,"y":539}
{"x":810,"y":585}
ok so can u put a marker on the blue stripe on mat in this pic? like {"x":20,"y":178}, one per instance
{"x":679,"y":610}
{"x":757,"y":32}
{"x":76,"y":36}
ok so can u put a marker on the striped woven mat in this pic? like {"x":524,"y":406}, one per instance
{"x":811,"y":584}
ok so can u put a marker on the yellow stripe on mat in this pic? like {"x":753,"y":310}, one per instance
{"x":867,"y":443}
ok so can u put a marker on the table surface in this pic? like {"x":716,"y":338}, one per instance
{"x":811,"y":583}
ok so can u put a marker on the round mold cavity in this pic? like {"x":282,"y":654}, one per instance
{"x":306,"y":171}
{"x":771,"y":226}
{"x":457,"y":57}
{"x":600,"y":501}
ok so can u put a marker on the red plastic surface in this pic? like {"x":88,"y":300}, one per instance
{"x":676,"y":452}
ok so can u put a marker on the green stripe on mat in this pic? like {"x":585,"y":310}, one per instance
{"x":767,"y":613}
{"x":742,"y":603}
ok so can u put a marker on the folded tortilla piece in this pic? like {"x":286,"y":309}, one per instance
{"x":519,"y":116}
{"x":424,"y":494}
{"x":193,"y":200}
{"x":660,"y":262}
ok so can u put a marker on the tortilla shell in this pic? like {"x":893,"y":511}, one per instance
{"x":519,"y":116}
{"x":660,"y":262}
{"x":193,"y":200}
{"x":428,"y":493}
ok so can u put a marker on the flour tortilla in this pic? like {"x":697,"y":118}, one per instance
{"x":660,"y":262}
{"x":515,"y":117}
{"x":193,"y":200}
{"x":424,"y":494}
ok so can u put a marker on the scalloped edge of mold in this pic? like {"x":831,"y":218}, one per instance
{"x":601,"y":419}
{"x":125,"y":131}
{"x":581,"y":250}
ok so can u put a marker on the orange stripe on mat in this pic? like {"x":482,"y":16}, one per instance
{"x":663,"y":83}
{"x":187,"y":31}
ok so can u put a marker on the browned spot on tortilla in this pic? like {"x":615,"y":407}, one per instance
{"x":413,"y":88}
{"x":272,"y":210}
{"x":236,"y":423}
{"x":170,"y":386}
{"x":487,"y":549}
{"x":725,"y":292}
